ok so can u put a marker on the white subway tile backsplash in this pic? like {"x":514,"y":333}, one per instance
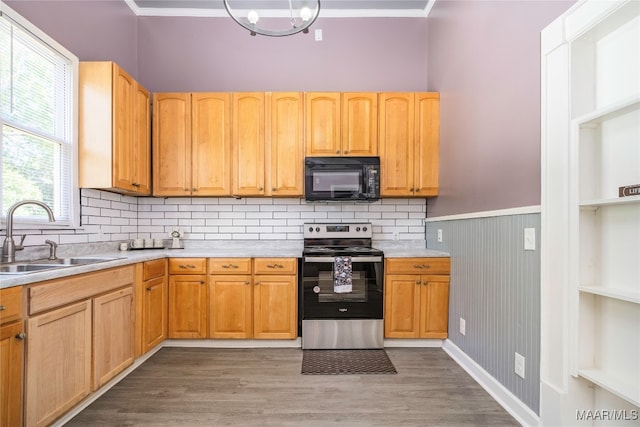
{"x":113,"y":217}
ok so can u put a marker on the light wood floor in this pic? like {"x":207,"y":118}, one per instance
{"x":181,"y":387}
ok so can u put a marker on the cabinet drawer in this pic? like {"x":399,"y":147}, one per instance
{"x":275,"y":266}
{"x":230,"y":265}
{"x":417,"y":265}
{"x":10,"y":304}
{"x":153,"y":269}
{"x":187,"y":266}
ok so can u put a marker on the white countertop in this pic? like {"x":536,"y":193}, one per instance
{"x":210,"y":249}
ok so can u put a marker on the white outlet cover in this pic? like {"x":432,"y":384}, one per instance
{"x":318,"y":34}
{"x":529,"y":239}
{"x":439,"y":235}
{"x":463,"y":326}
{"x":519,"y":365}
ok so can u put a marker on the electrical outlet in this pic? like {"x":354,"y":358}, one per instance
{"x":463,"y":326}
{"x":519,"y":365}
{"x":396,"y":235}
{"x":529,"y":239}
{"x":439,"y":235}
{"x":318,"y":34}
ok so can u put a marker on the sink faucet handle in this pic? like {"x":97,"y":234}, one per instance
{"x":52,"y":248}
{"x":19,"y":246}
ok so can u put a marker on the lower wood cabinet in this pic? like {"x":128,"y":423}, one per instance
{"x":152,"y":298}
{"x":79,"y":335}
{"x":187,"y":298}
{"x":416,"y":297}
{"x":11,"y":356}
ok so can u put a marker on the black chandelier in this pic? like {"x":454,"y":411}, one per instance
{"x":297,"y":18}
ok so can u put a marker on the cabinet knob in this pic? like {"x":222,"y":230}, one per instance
{"x":337,"y":151}
{"x":202,"y":282}
{"x":257,"y":282}
{"x":194,"y":189}
{"x":21,"y":336}
{"x":273,"y":188}
{"x":411,"y":189}
{"x":135,"y":184}
{"x":149,"y":288}
{"x":2,"y":307}
{"x":417,"y":282}
{"x":246,"y":282}
{"x":425,"y":283}
{"x":260,"y":188}
{"x":346,"y":151}
{"x":418,"y":189}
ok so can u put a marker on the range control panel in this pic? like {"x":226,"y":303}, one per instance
{"x":339,"y":230}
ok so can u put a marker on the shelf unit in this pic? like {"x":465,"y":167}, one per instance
{"x":604,"y":154}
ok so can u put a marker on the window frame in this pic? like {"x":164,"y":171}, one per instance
{"x":22,"y":223}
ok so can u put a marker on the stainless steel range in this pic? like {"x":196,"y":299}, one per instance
{"x":341,"y":288}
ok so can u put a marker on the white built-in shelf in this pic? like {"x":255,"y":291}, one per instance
{"x":630,"y":200}
{"x":619,"y":294}
{"x":609,"y":112}
{"x":626,"y":391}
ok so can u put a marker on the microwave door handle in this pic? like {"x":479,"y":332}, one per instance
{"x":332,"y":259}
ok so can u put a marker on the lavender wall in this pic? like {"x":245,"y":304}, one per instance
{"x":484,"y":59}
{"x":97,"y":30}
{"x":215,"y":54}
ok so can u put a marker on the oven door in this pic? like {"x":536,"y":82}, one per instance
{"x":365,"y":301}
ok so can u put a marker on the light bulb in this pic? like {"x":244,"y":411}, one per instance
{"x":253,"y":17}
{"x":305,"y":14}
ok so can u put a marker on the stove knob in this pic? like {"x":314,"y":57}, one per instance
{"x":318,"y":229}
{"x":364,"y":228}
{"x":357,"y":228}
{"x":310,"y":229}
{"x":316,"y":289}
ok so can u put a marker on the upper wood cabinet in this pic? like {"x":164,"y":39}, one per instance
{"x":341,"y":124}
{"x":284,"y":161}
{"x":191,"y":144}
{"x":114,"y":130}
{"x":409,"y":144}
{"x":248,"y":142}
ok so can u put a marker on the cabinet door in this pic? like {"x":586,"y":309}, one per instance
{"x":123,"y":129}
{"x":211,"y":144}
{"x":285,"y":153}
{"x":141,"y":141}
{"x":275,"y":307}
{"x":359,"y":124}
{"x":434,"y":316}
{"x":154,"y":315}
{"x":113,"y":335}
{"x":427,"y":135}
{"x":248,"y":143}
{"x":171,"y":144}
{"x":230,"y":306}
{"x":401,"y":305}
{"x":11,"y":351}
{"x":187,"y":306}
{"x":396,"y":144}
{"x":58,"y":362}
{"x":322,"y":124}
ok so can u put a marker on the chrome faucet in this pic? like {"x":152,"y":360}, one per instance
{"x":9,"y":247}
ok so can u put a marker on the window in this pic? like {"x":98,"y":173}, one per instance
{"x":37,"y":119}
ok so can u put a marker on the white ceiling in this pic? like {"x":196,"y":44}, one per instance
{"x":328,"y":9}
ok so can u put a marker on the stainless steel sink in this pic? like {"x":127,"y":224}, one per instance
{"x":47,"y":264}
{"x":22,"y":268}
{"x":74,"y":261}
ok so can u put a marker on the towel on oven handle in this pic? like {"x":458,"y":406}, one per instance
{"x":342,"y":275}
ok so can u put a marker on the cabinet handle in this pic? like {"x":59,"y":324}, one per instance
{"x":418,"y":190}
{"x":417,"y":266}
{"x":191,"y":266}
{"x":202,"y":282}
{"x":229,"y":266}
{"x":135,"y":184}
{"x":186,"y":266}
{"x":257,"y":282}
{"x":275,"y":266}
{"x":246,"y":282}
{"x":21,"y":336}
{"x":417,"y":282}
{"x":426,"y":266}
{"x":2,"y":307}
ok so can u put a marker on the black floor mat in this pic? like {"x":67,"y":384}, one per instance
{"x":346,"y":362}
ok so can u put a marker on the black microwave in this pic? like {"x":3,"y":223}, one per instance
{"x":342,"y":178}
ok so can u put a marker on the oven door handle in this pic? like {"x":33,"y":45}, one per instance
{"x":353,"y":259}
